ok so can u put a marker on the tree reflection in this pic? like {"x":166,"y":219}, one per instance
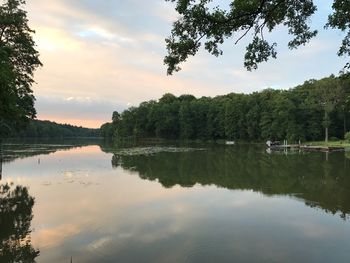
{"x":0,"y":161}
{"x":320,"y":183}
{"x":16,"y":206}
{"x":22,"y":149}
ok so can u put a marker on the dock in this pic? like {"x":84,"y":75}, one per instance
{"x":322,"y":148}
{"x":307,"y":148}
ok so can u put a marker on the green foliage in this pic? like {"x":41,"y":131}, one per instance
{"x":204,"y":23}
{"x":19,"y":59}
{"x":347,"y":136}
{"x":329,"y":92}
{"x":340,"y":19}
{"x":48,"y":129}
{"x":115,"y":117}
{"x":107,"y":130}
{"x":296,"y":114}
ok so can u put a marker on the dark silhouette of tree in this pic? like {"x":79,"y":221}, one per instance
{"x":16,"y":206}
{"x":19,"y":59}
{"x":49,"y":129}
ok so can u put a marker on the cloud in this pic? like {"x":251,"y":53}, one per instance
{"x":55,"y":236}
{"x":112,"y":52}
{"x":77,"y":110}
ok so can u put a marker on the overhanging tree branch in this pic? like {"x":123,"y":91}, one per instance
{"x":198,"y":20}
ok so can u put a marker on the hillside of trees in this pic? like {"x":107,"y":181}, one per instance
{"x":48,"y":129}
{"x":315,"y":110}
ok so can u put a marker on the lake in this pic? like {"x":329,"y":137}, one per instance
{"x":77,"y":201}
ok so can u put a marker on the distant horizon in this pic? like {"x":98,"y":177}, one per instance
{"x":101,"y":57}
{"x":63,"y":122}
{"x":77,"y":122}
{"x":97,"y":125}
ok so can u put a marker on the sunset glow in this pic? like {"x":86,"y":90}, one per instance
{"x":112,"y":53}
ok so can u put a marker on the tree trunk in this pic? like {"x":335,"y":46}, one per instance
{"x":344,"y":124}
{"x":326,"y":125}
{"x":0,"y":159}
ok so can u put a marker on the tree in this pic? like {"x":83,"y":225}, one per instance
{"x":200,"y":23}
{"x":107,"y":130}
{"x":294,"y":114}
{"x":115,"y":117}
{"x":16,"y":205}
{"x":329,"y":93}
{"x":345,"y":100}
{"x":19,"y":59}
{"x":340,"y":19}
{"x":186,"y":122}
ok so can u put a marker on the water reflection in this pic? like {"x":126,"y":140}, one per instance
{"x":11,"y":152}
{"x":16,"y":215}
{"x":92,"y":213}
{"x":19,"y":149}
{"x":319,"y":182}
{"x":0,"y":161}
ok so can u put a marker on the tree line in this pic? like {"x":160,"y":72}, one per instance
{"x":48,"y":129}
{"x":315,"y":110}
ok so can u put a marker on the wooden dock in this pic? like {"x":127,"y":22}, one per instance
{"x":322,"y":148}
{"x":307,"y":148}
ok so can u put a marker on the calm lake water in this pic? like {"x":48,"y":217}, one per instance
{"x":92,"y":203}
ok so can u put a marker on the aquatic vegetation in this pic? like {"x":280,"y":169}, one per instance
{"x":153,"y":150}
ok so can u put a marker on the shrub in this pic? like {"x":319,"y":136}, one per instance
{"x":347,"y":136}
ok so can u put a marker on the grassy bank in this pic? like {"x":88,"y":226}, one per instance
{"x":330,"y":143}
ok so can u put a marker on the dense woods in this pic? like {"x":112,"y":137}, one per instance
{"x":311,"y":111}
{"x":48,"y":129}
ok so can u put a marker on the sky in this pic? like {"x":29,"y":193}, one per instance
{"x":105,"y":55}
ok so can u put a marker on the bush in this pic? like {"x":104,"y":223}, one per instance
{"x":347,"y":136}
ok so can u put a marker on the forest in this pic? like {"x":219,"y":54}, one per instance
{"x":315,"y":110}
{"x":48,"y":129}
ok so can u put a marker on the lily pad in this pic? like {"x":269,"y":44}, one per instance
{"x":153,"y":150}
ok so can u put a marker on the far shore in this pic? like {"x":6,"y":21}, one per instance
{"x":340,"y":143}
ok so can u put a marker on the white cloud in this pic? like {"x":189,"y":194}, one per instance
{"x":113,"y":52}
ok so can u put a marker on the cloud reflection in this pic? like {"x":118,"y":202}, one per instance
{"x":131,"y":219}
